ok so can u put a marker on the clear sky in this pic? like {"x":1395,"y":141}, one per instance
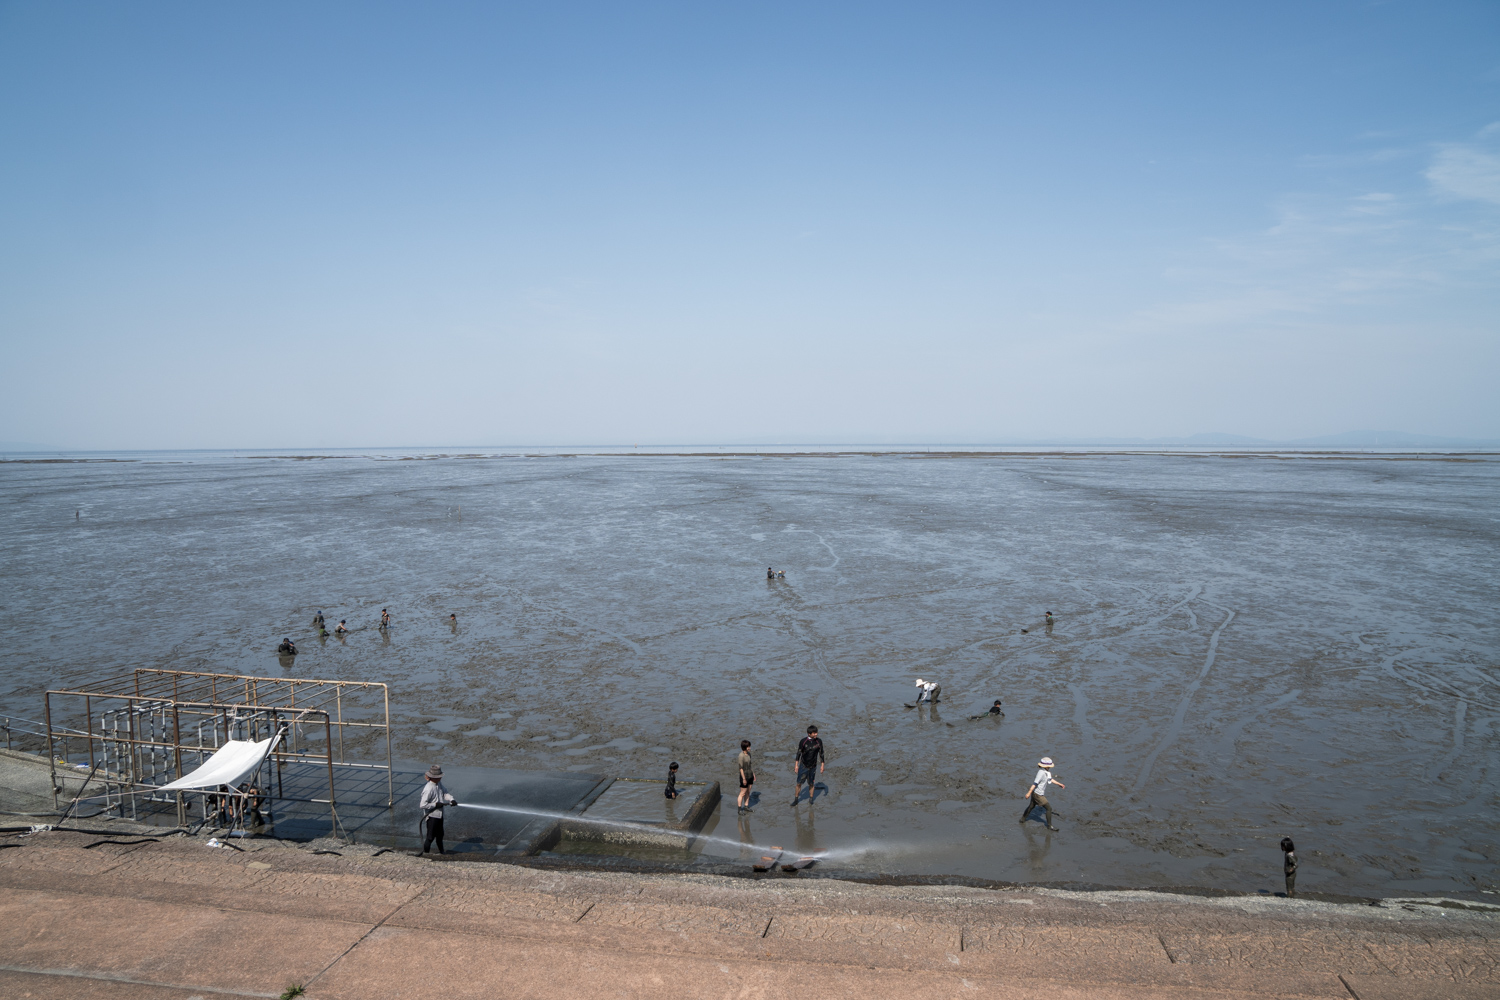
{"x":401,"y":224}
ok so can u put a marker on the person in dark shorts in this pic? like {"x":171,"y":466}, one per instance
{"x":672,"y":791}
{"x":809,"y":756}
{"x":385,"y":618}
{"x":1289,"y":866}
{"x":746,"y":768}
{"x":1036,"y":795}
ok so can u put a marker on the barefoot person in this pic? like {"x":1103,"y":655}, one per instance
{"x":809,"y":755}
{"x":747,"y":776}
{"x":1289,"y":866}
{"x":1036,"y":795}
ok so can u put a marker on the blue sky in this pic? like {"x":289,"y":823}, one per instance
{"x":366,"y":224}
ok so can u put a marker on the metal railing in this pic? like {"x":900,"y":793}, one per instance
{"x":140,"y":729}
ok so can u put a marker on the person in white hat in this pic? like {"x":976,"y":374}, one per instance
{"x":1036,"y":795}
{"x":930,"y":691}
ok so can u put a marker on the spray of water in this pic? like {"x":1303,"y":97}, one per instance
{"x":845,"y":852}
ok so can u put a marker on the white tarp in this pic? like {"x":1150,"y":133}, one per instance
{"x":231,"y":763}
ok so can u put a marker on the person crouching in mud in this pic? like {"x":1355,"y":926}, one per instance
{"x":434,"y":797}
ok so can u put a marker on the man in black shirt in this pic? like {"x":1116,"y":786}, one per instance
{"x":809,"y":755}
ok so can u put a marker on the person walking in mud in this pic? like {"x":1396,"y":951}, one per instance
{"x":809,"y":755}
{"x":1036,"y":795}
{"x":746,"y":768}
{"x":385,"y":618}
{"x":671,"y":790}
{"x":1289,"y":866}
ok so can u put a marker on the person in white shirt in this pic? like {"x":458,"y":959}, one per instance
{"x":929,"y":692}
{"x":434,"y":797}
{"x":1036,"y":795}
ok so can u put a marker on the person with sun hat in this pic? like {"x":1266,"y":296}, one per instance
{"x":1036,"y":795}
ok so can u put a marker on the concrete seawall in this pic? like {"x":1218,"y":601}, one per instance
{"x":131,"y":916}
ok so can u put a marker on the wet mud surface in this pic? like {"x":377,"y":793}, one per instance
{"x":1244,"y":648}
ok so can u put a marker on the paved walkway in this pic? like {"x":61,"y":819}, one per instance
{"x":103,"y":916}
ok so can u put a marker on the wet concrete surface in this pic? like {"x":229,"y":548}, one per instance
{"x":1244,"y":648}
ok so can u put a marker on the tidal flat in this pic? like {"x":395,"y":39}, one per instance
{"x":1244,"y":647}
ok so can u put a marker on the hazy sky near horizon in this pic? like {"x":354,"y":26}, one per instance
{"x":401,"y":224}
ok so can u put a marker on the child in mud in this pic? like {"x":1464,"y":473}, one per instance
{"x":672,"y":791}
{"x":1289,"y":866}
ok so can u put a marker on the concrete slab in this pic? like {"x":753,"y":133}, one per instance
{"x":178,"y":914}
{"x":177,"y":943}
{"x":68,"y":986}
{"x":459,"y":967}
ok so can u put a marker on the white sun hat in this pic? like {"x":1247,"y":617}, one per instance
{"x":1044,"y":762}
{"x":919,"y":682}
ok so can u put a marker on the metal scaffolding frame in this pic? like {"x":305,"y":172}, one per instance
{"x":150,"y":726}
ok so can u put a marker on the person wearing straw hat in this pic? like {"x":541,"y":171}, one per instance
{"x":1036,"y":795}
{"x":434,"y":797}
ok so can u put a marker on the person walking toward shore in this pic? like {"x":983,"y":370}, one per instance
{"x":1289,"y":866}
{"x":672,"y":791}
{"x":434,"y":797}
{"x":809,"y":755}
{"x":747,"y":776}
{"x":1036,"y":795}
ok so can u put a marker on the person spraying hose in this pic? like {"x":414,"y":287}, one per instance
{"x":434,"y":798}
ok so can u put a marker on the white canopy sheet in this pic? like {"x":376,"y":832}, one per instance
{"x":231,"y":763}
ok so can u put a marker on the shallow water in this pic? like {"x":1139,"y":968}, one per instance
{"x":1245,"y":648}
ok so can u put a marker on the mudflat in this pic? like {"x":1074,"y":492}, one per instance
{"x":120,"y":915}
{"x":1244,"y":647}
